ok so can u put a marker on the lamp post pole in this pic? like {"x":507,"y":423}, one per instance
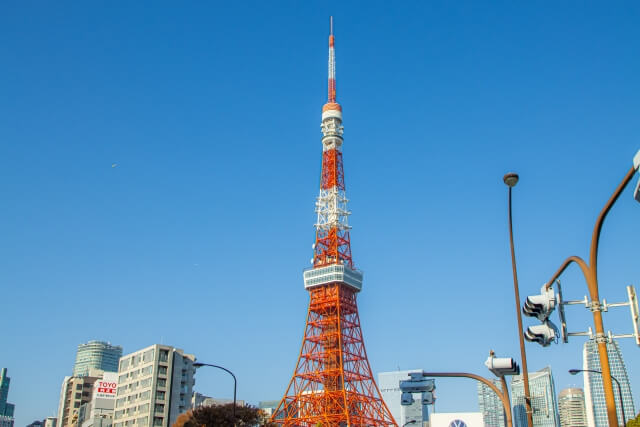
{"x":624,"y":419}
{"x":511,"y":179}
{"x":590,"y":273}
{"x":503,"y":395}
{"x":235,"y":383}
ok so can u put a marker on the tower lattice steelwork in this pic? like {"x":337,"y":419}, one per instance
{"x":332,"y":384}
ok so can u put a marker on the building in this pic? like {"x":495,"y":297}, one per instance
{"x":74,"y":392}
{"x":594,"y":390}
{"x":50,"y":422}
{"x":571,"y":408}
{"x":199,"y":400}
{"x":490,"y":405}
{"x":389,"y":384}
{"x":98,"y":412}
{"x":98,"y":355}
{"x":6,"y":409}
{"x":268,"y":407}
{"x":155,"y":385}
{"x":36,"y":423}
{"x":543,"y":399}
{"x":456,"y":419}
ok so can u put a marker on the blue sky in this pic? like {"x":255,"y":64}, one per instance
{"x":211,"y":112}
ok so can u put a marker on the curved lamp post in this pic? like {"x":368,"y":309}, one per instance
{"x":511,"y":179}
{"x":590,"y":272}
{"x":235,"y":382}
{"x":503,"y":395}
{"x":577,"y":371}
{"x":409,"y":422}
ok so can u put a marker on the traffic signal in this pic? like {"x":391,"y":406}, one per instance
{"x":540,"y":306}
{"x":542,"y":334}
{"x":417,"y":384}
{"x":428,"y":398}
{"x":501,"y":366}
{"x":406,"y":399}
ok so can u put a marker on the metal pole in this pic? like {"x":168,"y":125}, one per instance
{"x":624,"y":419}
{"x":235,"y":383}
{"x":510,"y":180}
{"x":504,"y":395}
{"x":590,"y":273}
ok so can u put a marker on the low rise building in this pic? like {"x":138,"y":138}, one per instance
{"x":74,"y":392}
{"x":155,"y":385}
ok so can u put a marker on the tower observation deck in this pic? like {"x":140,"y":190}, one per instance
{"x":333,"y":383}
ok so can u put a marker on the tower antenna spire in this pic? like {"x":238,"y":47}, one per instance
{"x":332,"y":66}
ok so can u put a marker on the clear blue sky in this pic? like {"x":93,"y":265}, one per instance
{"x":211,"y":111}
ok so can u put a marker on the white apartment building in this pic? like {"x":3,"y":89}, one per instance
{"x":154,"y":387}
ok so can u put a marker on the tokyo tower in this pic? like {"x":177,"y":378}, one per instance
{"x":332,"y":384}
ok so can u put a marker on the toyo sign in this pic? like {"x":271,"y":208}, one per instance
{"x":106,"y":387}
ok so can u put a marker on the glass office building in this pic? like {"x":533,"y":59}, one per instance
{"x":543,"y":399}
{"x":491,"y":405}
{"x":98,"y":355}
{"x":594,"y":390}
{"x":571,"y":408}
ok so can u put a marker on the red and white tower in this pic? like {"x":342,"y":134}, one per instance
{"x":332,"y":384}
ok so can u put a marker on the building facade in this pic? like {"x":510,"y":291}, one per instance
{"x":571,"y":408}
{"x":74,"y":392}
{"x":98,"y":355}
{"x":543,"y":399}
{"x":491,"y":406}
{"x":98,"y":412}
{"x":594,"y":390}
{"x":389,"y":384}
{"x":50,"y":422}
{"x":6,"y":409}
{"x":155,"y":385}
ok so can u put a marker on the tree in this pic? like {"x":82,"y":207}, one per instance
{"x":222,"y":416}
{"x":635,"y":422}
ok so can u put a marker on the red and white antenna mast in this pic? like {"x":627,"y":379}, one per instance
{"x":332,"y":244}
{"x":333,"y":383}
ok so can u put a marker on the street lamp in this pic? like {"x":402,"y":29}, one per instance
{"x":511,"y":179}
{"x":235,"y":382}
{"x":590,"y":273}
{"x":409,"y":422}
{"x":417,"y":378}
{"x":577,"y":371}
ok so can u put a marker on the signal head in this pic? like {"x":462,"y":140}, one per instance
{"x":543,"y":334}
{"x":406,"y":399}
{"x":540,"y":306}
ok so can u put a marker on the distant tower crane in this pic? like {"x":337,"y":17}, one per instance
{"x":332,"y":385}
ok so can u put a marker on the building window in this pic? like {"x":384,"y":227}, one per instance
{"x":159,"y":395}
{"x":162,"y":370}
{"x":162,"y":382}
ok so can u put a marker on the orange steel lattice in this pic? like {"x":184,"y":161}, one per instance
{"x":332,"y":385}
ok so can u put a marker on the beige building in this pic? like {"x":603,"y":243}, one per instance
{"x":155,"y":385}
{"x":571,"y":408}
{"x":74,"y":392}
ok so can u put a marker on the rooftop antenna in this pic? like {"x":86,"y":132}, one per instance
{"x":331,"y":25}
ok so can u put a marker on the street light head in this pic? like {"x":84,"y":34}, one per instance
{"x":511,"y":179}
{"x":198,"y":364}
{"x":575,"y":371}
